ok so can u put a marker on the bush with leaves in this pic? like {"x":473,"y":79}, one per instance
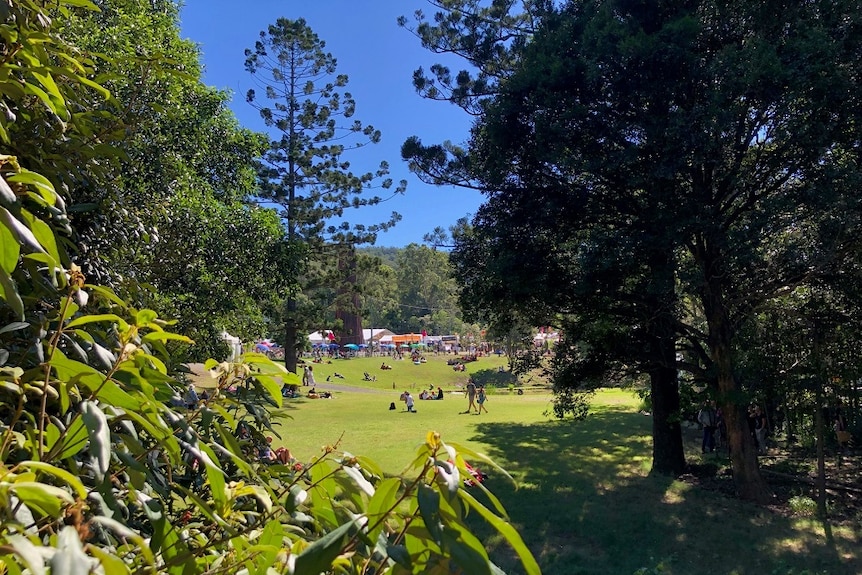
{"x":103,"y":470}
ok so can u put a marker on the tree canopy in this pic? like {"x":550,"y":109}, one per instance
{"x":162,"y":219}
{"x":691,"y":160}
{"x":304,"y":101}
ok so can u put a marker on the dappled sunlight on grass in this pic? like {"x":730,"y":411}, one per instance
{"x":585,"y":501}
{"x":587,"y":504}
{"x":673,"y":496}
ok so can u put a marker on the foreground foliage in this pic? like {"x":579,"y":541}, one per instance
{"x":102,"y":467}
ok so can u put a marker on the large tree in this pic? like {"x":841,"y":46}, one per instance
{"x":491,"y":39}
{"x":162,"y":218}
{"x":303,"y":100}
{"x":717,"y":143}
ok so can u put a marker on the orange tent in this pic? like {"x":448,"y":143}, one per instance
{"x":406,"y":338}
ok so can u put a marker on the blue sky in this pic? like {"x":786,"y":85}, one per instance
{"x":379,"y":58}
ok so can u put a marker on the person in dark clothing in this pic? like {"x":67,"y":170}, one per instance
{"x":708,"y":418}
{"x":760,"y":429}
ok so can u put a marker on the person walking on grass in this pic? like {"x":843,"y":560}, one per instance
{"x":471,"y":396}
{"x":409,"y":400}
{"x":480,"y":400}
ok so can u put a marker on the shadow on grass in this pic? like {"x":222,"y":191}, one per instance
{"x":494,"y":378}
{"x":586,"y":504}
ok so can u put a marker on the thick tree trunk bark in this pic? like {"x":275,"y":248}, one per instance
{"x":668,"y":455}
{"x":749,"y":482}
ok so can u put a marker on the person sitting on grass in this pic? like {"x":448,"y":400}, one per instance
{"x":265,"y":453}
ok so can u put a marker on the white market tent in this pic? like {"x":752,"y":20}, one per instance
{"x":319,"y":337}
{"x":377,"y":334}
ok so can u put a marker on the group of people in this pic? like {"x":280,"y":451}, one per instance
{"x":314,"y":394}
{"x":476,"y":398}
{"x":191,"y":399}
{"x":263,"y":448}
{"x":714,"y":428}
{"x":431,"y":394}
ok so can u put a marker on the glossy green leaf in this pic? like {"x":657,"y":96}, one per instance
{"x":233,"y":450}
{"x":111,"y":564}
{"x":108,"y":317}
{"x":356,"y":475}
{"x":318,"y":557}
{"x":123,"y":531}
{"x":75,"y":438}
{"x":200,"y":505}
{"x":14,"y":326}
{"x":52,"y":91}
{"x":384,"y":499}
{"x":145,"y":317}
{"x":46,"y":499}
{"x":9,"y":291}
{"x":466,"y":550}
{"x":42,"y":184}
{"x":165,"y":336}
{"x":100,"y":437}
{"x":272,"y":388}
{"x":370,"y":465}
{"x":429,"y":507}
{"x":59,"y":473}
{"x":504,"y":528}
{"x":7,"y":195}
{"x":107,"y":294}
{"x":215,"y":476}
{"x":51,"y":437}
{"x":41,"y":94}
{"x":44,"y":235}
{"x":22,"y":233}
{"x":10,"y":249}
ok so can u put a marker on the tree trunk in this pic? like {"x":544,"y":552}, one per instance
{"x":749,"y":482}
{"x":820,"y":434}
{"x":290,"y":336}
{"x":347,"y":301}
{"x":743,"y":452}
{"x":668,"y":455}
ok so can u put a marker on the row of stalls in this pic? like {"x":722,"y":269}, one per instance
{"x":384,"y":339}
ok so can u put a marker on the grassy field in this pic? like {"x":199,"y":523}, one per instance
{"x":585,"y":502}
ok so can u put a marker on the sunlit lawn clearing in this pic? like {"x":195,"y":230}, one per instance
{"x":585,"y":502}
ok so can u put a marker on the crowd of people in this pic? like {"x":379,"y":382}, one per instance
{"x":711,"y":420}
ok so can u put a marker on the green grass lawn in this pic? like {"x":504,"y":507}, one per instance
{"x":585,"y":502}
